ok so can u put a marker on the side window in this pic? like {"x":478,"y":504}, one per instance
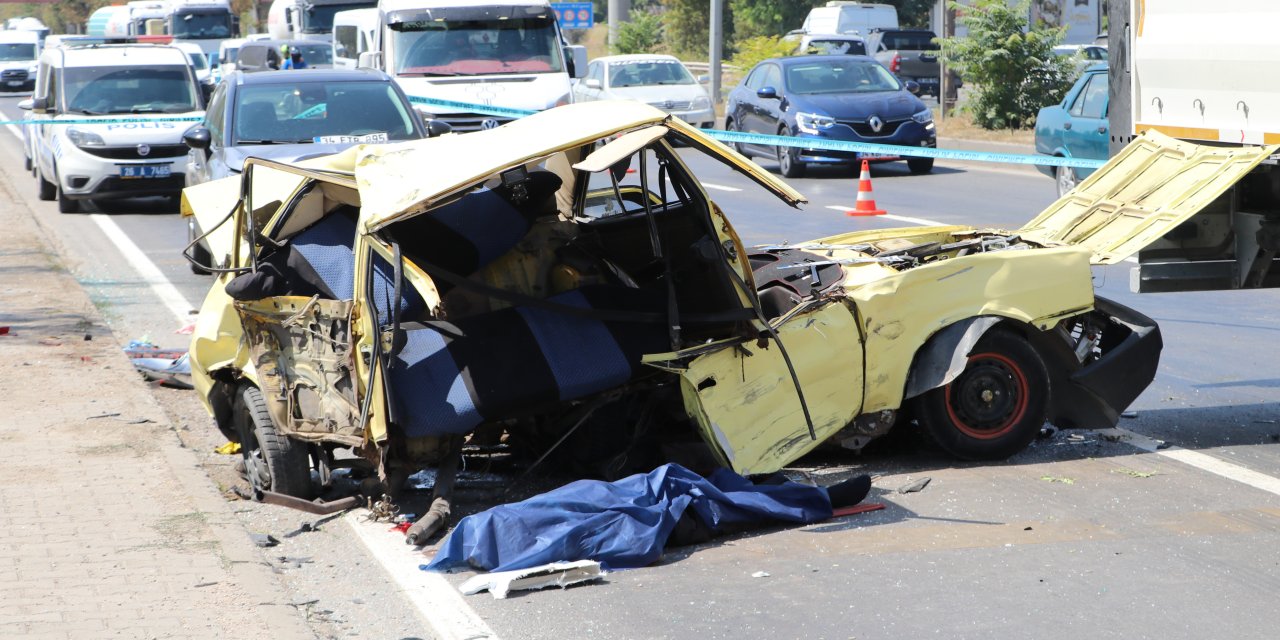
{"x":1092,"y":102}
{"x":345,"y":41}
{"x":773,"y":77}
{"x":596,"y":71}
{"x":1077,"y":107}
{"x":756,"y":79}
{"x":214,"y":117}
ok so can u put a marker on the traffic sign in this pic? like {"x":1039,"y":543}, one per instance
{"x":574,"y":15}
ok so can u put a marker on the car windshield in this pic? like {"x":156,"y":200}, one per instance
{"x":648,"y":72}
{"x":910,"y":40}
{"x":319,"y":18}
{"x":101,"y":90}
{"x":201,"y":26}
{"x":840,"y":76}
{"x":298,"y":112}
{"x":15,"y":51}
{"x":476,"y":47}
{"x":198,"y":61}
{"x":314,"y":53}
{"x":836,"y":47}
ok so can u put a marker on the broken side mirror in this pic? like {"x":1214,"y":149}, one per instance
{"x":767,"y":93}
{"x":437,"y":128}
{"x":198,"y":137}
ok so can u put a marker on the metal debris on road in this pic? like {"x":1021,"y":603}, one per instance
{"x":760,"y":574}
{"x":1063,"y":480}
{"x":264,"y":539}
{"x":1129,"y":414}
{"x":103,"y":415}
{"x":915,"y":487}
{"x":555,"y":574}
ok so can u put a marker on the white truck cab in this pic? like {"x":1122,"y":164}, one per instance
{"x":19,"y":51}
{"x":507,"y":54}
{"x":353,"y":34}
{"x":839,"y":16}
{"x":151,"y":86}
{"x":308,"y":19}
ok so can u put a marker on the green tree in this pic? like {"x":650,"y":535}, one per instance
{"x":1011,"y":69}
{"x":685,"y":27}
{"x":912,"y":14}
{"x":642,"y":35}
{"x":753,"y":18}
{"x":752,"y":51}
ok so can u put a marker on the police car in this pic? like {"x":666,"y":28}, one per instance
{"x":110,"y":119}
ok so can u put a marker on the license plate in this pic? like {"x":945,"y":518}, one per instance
{"x":145,"y":171}
{"x":15,"y":83}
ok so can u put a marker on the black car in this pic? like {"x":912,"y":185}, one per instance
{"x":289,"y":116}
{"x":851,"y":98}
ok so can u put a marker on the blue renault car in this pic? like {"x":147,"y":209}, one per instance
{"x":1076,"y":128}
{"x":836,"y":97}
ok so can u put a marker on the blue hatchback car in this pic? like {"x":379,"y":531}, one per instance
{"x":851,"y":98}
{"x":1076,"y":128}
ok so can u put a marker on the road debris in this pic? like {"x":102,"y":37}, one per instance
{"x":104,"y":415}
{"x":915,"y":487}
{"x":228,"y":449}
{"x":1062,"y":480}
{"x":760,"y":574}
{"x":556,"y":574}
{"x":263,"y":539}
{"x":1134,"y":472}
{"x":1129,"y":414}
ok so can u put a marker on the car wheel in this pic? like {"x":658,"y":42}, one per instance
{"x":47,"y":190}
{"x":65,"y":204}
{"x":920,"y":165}
{"x":26,"y":163}
{"x":272,"y":461}
{"x":1066,"y":179}
{"x":788,"y":165}
{"x":997,"y":404}
{"x":202,"y":259}
{"x":737,"y":146}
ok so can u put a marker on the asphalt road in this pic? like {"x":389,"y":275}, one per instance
{"x":1085,"y":534}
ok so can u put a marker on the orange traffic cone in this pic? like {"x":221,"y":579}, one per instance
{"x":866,"y":205}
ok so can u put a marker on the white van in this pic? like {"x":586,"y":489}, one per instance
{"x":850,"y":17}
{"x":19,"y":52}
{"x":152,"y":86}
{"x":353,"y":34}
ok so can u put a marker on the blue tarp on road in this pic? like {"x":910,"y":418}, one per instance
{"x":621,"y":524}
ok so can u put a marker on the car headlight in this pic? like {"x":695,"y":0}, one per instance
{"x":700,"y":103}
{"x":82,"y":138}
{"x":924,"y":117}
{"x":813,"y":122}
{"x":33,"y":69}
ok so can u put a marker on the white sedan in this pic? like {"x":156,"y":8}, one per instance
{"x":658,"y":80}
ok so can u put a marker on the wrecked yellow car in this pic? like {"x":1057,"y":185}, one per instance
{"x":394,"y":298}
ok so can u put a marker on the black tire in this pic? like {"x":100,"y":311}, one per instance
{"x":27,"y":164}
{"x":737,"y":146}
{"x":67,"y":205}
{"x":47,"y":190}
{"x":995,"y":407}
{"x":920,"y":165}
{"x":272,"y":461}
{"x":788,"y":164}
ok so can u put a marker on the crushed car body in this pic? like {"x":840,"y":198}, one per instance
{"x":394,"y":298}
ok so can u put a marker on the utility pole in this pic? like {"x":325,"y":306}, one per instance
{"x":619,"y":12}
{"x":946,"y":80}
{"x":717,"y":48}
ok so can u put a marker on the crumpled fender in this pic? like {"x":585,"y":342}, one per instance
{"x":943,"y":357}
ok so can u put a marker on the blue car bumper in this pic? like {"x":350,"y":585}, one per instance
{"x":907,"y":134}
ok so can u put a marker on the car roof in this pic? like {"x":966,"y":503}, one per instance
{"x":637,"y":57}
{"x":309,"y":76}
{"x":790,"y":60}
{"x":120,"y":55}
{"x":1101,"y":66}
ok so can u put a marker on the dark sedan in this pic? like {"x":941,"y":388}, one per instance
{"x":289,"y":116}
{"x":851,"y":98}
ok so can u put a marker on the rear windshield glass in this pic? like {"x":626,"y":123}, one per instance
{"x":290,"y":113}
{"x":836,"y":47}
{"x":911,"y":40}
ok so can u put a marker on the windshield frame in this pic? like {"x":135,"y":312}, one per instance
{"x":66,"y":82}
{"x":406,"y":37}
{"x":875,"y":67}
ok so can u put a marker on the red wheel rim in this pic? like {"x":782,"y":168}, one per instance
{"x":989,"y":398}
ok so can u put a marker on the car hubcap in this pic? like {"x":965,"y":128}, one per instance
{"x":1066,"y":181}
{"x":989,"y":397}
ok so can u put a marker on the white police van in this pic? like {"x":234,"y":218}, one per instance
{"x":110,"y":119}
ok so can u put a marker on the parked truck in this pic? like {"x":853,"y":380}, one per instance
{"x":507,"y":54}
{"x":204,"y":22}
{"x":308,"y":19}
{"x":1203,"y":75}
{"x":911,"y":54}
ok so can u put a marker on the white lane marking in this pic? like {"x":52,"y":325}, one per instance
{"x":13,"y":128}
{"x":441,"y":605}
{"x":1204,"y":462}
{"x":150,"y":273}
{"x":908,"y":219}
{"x":718,"y":187}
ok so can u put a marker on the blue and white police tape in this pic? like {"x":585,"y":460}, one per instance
{"x":823,"y":144}
{"x":101,"y":120}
